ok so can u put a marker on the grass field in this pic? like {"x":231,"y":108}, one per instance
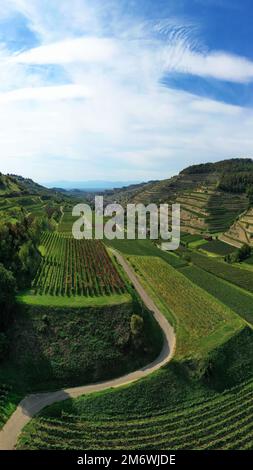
{"x":73,"y":301}
{"x":235,"y":298}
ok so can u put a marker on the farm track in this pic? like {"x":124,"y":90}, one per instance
{"x":32,"y":404}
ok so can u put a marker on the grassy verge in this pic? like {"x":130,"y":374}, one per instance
{"x":72,"y":301}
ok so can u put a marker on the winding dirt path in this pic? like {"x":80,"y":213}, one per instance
{"x":34,"y":403}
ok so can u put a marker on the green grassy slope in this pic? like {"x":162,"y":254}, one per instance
{"x":56,"y":347}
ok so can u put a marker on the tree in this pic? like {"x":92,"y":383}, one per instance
{"x":3,"y":346}
{"x":7,"y":296}
{"x":137,"y":329}
{"x":240,"y":255}
{"x":29,"y":258}
{"x":244,"y":252}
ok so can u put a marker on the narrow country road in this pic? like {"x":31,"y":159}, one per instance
{"x":32,"y":404}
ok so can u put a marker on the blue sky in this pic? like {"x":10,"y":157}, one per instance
{"x":123,"y":90}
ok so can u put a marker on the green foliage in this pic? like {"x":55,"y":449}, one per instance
{"x":244,"y":252}
{"x":57,"y":347}
{"x":136,"y":325}
{"x":3,"y":346}
{"x":7,"y":296}
{"x":29,"y":258}
{"x":240,"y":255}
{"x":233,"y":165}
{"x":18,"y":251}
{"x":236,"y":183}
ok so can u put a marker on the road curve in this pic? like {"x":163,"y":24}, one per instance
{"x":34,"y":403}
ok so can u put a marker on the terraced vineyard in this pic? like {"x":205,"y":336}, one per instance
{"x":75,"y":267}
{"x":241,"y":231}
{"x":223,"y":421}
{"x":209,"y":210}
{"x":196,"y":314}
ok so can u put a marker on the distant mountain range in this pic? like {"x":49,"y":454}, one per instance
{"x":89,"y":185}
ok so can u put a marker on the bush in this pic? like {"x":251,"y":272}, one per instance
{"x":7,"y":296}
{"x":3,"y":346}
{"x":136,"y":325}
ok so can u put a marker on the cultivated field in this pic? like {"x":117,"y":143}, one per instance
{"x":200,"y":320}
{"x":145,"y":248}
{"x":66,"y":222}
{"x":222,"y":421}
{"x":75,"y":268}
{"x":217,"y":247}
{"x":237,"y":276}
{"x":235,"y":298}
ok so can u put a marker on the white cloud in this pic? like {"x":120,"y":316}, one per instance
{"x":85,"y":49}
{"x":47,"y":93}
{"x":112,"y":118}
{"x":218,"y":65}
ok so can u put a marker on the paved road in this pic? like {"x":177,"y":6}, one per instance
{"x":32,"y":404}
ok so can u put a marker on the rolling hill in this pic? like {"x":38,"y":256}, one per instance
{"x":212,"y":195}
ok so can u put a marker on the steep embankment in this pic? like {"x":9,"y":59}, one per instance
{"x":55,"y":347}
